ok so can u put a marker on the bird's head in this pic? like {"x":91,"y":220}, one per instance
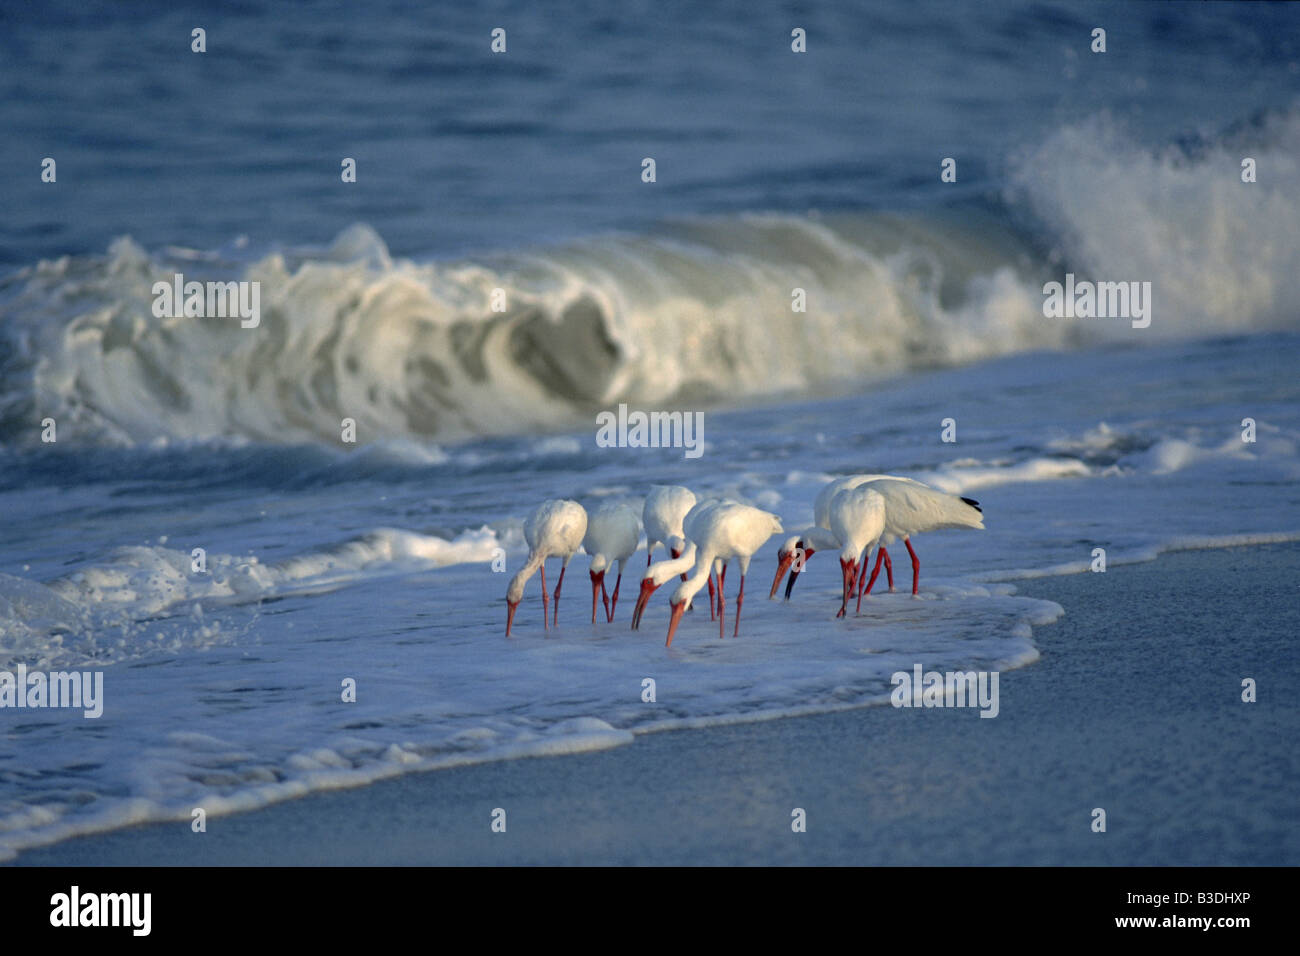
{"x":792,"y":553}
{"x":515,"y":592}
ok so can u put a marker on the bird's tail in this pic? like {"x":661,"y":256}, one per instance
{"x":976,"y":519}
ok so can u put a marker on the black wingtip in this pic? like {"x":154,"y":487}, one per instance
{"x":974,"y":504}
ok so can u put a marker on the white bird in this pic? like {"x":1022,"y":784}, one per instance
{"x":612,"y":535}
{"x":556,"y":530}
{"x":910,"y":508}
{"x":817,"y":533}
{"x":665,"y":510}
{"x":724,"y":531}
{"x":857,"y":518}
{"x":656,"y":576}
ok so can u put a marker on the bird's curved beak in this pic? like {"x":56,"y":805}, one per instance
{"x":647,"y":588}
{"x":794,"y":575}
{"x":673,"y":622}
{"x":783,"y":562}
{"x":675,"y":552}
{"x":597,"y":577}
{"x":511,"y":607}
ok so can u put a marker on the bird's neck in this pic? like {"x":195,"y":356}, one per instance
{"x":527,"y":571}
{"x":691,"y":586}
{"x":667,"y":570}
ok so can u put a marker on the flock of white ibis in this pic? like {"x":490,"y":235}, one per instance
{"x":856,"y":515}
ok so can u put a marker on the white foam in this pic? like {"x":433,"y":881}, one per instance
{"x":66,"y":619}
{"x":1221,"y":254}
{"x":968,"y":475}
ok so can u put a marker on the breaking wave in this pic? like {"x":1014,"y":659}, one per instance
{"x":696,"y":312}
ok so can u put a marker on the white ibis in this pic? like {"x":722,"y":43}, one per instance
{"x":665,"y":509}
{"x":910,"y":508}
{"x":728,"y":530}
{"x":554,"y":530}
{"x":821,"y":523}
{"x":681,"y":563}
{"x":857,"y":517}
{"x":612,"y":535}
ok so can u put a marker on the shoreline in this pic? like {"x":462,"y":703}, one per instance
{"x":1187,"y":773}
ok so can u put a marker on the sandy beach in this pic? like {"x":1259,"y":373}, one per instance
{"x":1135,"y":707}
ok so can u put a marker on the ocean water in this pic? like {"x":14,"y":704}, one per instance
{"x":374,"y":561}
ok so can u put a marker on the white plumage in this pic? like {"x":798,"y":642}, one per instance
{"x":555,"y":529}
{"x":857,"y":519}
{"x":723,"y":531}
{"x":664,"y":513}
{"x":612,"y":536}
{"x":664,"y":571}
{"x":822,"y":504}
{"x":910,"y":508}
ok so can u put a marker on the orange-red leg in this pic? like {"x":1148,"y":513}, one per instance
{"x":881,"y":555}
{"x":558,"y":584}
{"x":546,"y":601}
{"x":722,"y":604}
{"x":613,"y":604}
{"x":916,"y":566}
{"x":740,"y":600}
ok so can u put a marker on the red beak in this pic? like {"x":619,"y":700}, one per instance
{"x":794,"y":575}
{"x":673,"y":622}
{"x":596,"y":578}
{"x":510,"y":615}
{"x":648,"y":588}
{"x":847,"y":576}
{"x":783,"y":565}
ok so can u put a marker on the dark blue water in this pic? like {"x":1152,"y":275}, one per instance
{"x":459,"y":149}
